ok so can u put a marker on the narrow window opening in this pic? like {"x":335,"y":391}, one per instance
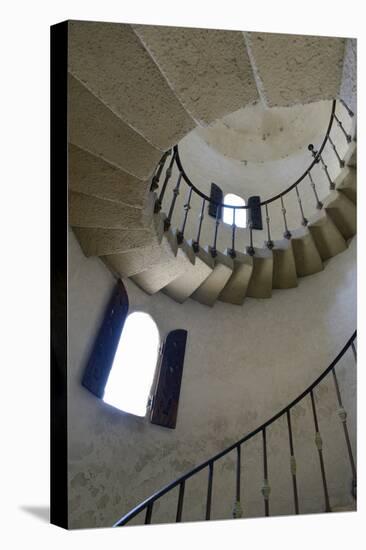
{"x":132,"y":373}
{"x":240,"y":215}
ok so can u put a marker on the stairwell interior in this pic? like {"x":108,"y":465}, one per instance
{"x":266,"y":316}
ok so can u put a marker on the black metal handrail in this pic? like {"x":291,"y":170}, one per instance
{"x":180,"y":481}
{"x":275,"y":197}
{"x":216,"y":207}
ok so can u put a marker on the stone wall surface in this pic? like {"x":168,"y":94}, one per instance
{"x":243,"y":364}
{"x":204,"y":161}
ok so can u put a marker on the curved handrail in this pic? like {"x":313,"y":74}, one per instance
{"x":143,"y":505}
{"x":268,"y":201}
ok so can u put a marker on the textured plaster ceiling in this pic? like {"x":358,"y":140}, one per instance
{"x":258,"y":134}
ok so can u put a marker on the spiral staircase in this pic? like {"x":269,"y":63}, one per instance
{"x":134,"y":92}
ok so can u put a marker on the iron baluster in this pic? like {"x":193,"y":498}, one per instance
{"x":209,"y":491}
{"x":319,"y":204}
{"x":324,"y":166}
{"x":343,"y":418}
{"x":180,"y":502}
{"x":287,"y":233}
{"x":351,"y":113}
{"x":238,"y":512}
{"x":196,"y":243}
{"x":213,"y":249}
{"x":266,"y":489}
{"x":168,"y":219}
{"x":347,"y":136}
{"x":269,"y":243}
{"x":354,"y":351}
{"x":156,"y":178}
{"x":232,"y":252}
{"x":250,"y":248}
{"x":341,"y":161}
{"x":292,"y":462}
{"x":187,"y":207}
{"x":147,"y":505}
{"x":304,"y":221}
{"x":319,"y":446}
{"x":148,"y":513}
{"x":168,"y":174}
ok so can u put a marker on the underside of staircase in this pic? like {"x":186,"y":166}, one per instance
{"x":155,"y":261}
{"x":134,"y":92}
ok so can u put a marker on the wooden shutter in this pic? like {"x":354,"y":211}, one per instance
{"x":165,"y":402}
{"x":101,"y":359}
{"x":215,"y":195}
{"x":255,"y":212}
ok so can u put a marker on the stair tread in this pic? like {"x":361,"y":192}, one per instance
{"x":90,"y":211}
{"x":235,"y":289}
{"x":327,"y":237}
{"x":96,"y":129}
{"x":346,"y":183}
{"x":284,"y":266}
{"x":343,"y":213}
{"x":90,"y":174}
{"x":211,"y":77}
{"x":306,"y":254}
{"x":271,"y":57}
{"x":260,"y":284}
{"x":208,"y":292}
{"x":195,"y":273}
{"x":157,"y":277}
{"x":110,"y":59}
{"x":350,"y":157}
{"x":135,"y":261}
{"x":96,"y":241}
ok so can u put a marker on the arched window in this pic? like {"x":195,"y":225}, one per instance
{"x":132,"y":373}
{"x":228,"y":213}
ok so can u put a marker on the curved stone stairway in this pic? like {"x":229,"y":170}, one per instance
{"x":134,"y":91}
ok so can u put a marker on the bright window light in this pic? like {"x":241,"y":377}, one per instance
{"x":129,"y":382}
{"x":228,"y":213}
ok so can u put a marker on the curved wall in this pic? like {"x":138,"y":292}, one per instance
{"x":242,"y":365}
{"x":205,"y":164}
{"x":257,"y":134}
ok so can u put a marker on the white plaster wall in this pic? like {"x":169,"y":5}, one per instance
{"x":204,"y":164}
{"x":258,"y":134}
{"x":242,"y":365}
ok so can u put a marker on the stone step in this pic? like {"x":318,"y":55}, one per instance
{"x":260,"y":284}
{"x":293,"y":69}
{"x":112,"y":63}
{"x":96,"y":241}
{"x":342,"y":212}
{"x":195,"y":273}
{"x":236,"y":288}
{"x":350,"y":157}
{"x":141,"y":259}
{"x":306,"y":254}
{"x":346,"y":182}
{"x":208,"y":292}
{"x":96,"y":129}
{"x":159,"y":276}
{"x":92,"y":175}
{"x":284,"y":266}
{"x":326,"y":235}
{"x":90,"y":211}
{"x":208,"y":70}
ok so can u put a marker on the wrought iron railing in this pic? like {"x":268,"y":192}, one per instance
{"x":147,"y":505}
{"x":172,"y":159}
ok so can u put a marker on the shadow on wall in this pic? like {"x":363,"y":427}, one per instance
{"x":40,"y":512}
